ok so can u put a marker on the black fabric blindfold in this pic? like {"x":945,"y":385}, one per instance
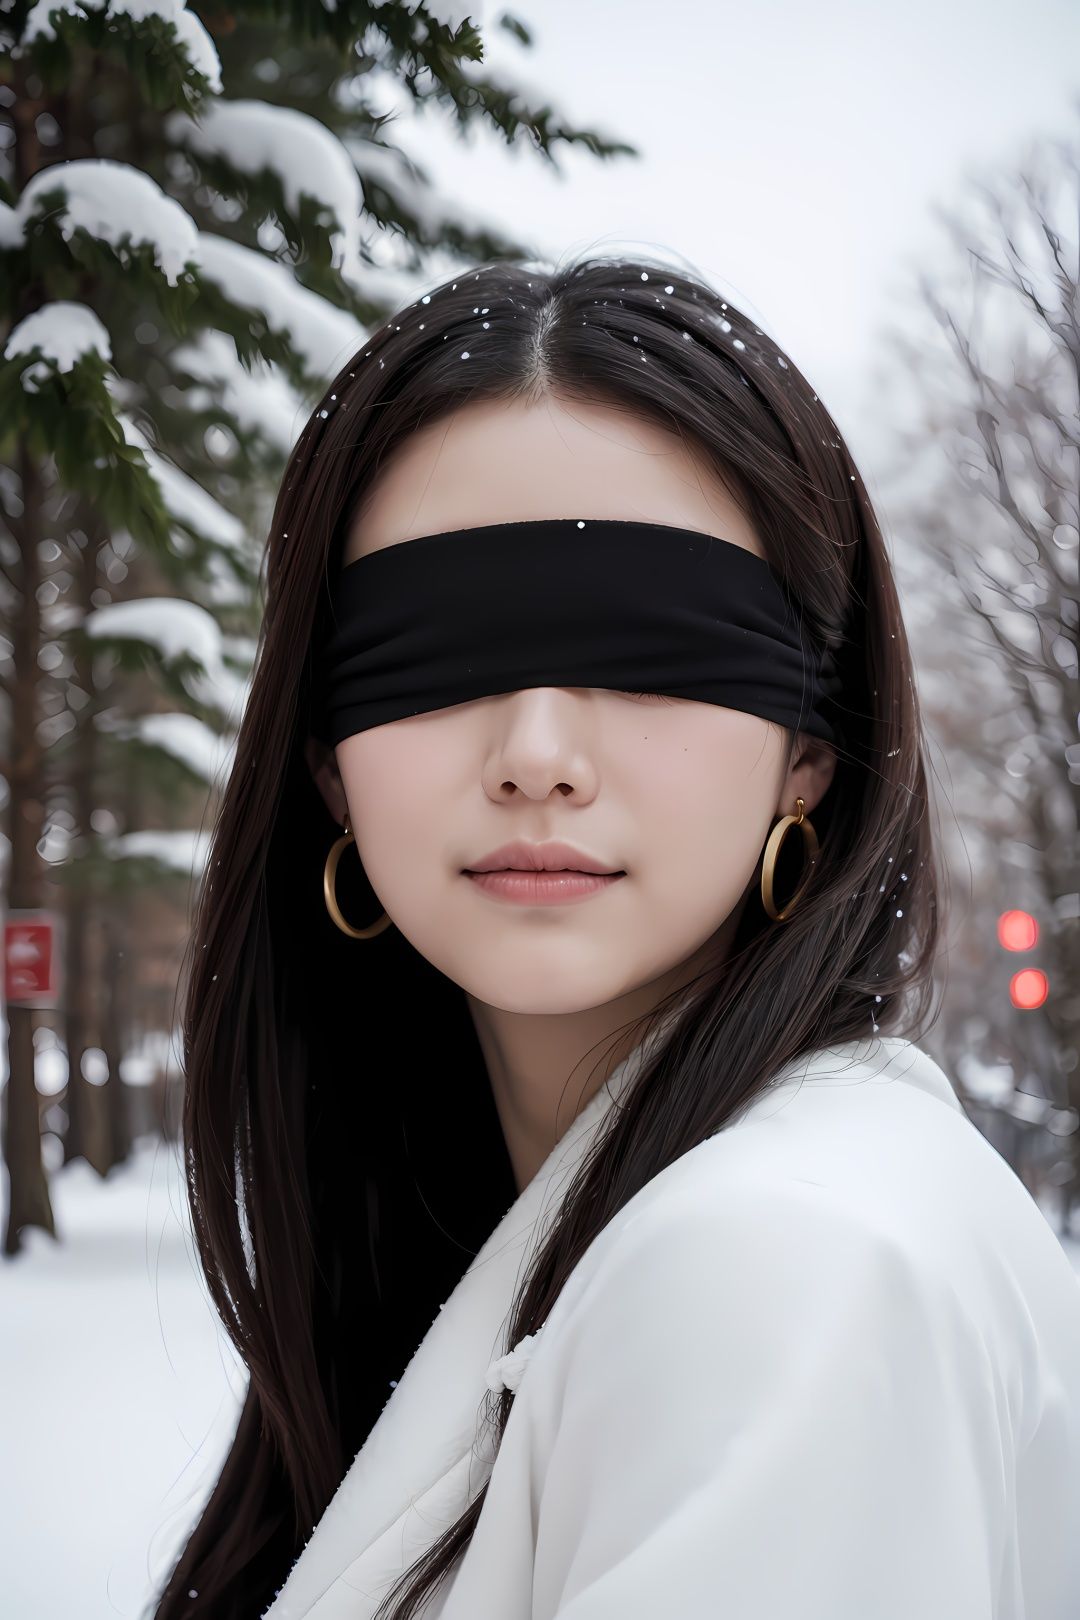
{"x":569,"y":602}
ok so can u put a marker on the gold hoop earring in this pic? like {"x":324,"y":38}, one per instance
{"x":329,"y":895}
{"x":772,"y":850}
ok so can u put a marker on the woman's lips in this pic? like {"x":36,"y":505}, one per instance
{"x":542,"y":888}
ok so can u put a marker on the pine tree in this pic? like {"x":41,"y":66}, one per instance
{"x":180,"y":270}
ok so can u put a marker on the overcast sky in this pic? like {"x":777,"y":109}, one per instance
{"x":790,"y":154}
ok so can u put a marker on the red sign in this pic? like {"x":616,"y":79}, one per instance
{"x":31,"y":958}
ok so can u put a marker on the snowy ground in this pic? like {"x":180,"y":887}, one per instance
{"x":119,"y":1395}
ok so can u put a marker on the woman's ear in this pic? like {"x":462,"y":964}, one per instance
{"x":810,"y":775}
{"x":323,"y":765}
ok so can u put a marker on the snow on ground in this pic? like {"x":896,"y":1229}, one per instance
{"x":119,"y":1394}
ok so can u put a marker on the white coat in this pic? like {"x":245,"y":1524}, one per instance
{"x":824,"y":1366}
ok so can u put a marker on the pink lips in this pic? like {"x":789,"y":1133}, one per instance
{"x":543,"y":888}
{"x":549,"y":874}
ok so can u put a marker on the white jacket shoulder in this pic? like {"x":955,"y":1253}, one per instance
{"x":759,"y":1405}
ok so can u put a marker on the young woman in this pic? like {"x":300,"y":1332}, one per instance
{"x":601,"y":1247}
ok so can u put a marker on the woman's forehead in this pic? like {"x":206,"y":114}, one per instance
{"x":510,"y":461}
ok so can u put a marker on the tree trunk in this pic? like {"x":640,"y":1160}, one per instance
{"x":88,"y":1129}
{"x":20,"y":1133}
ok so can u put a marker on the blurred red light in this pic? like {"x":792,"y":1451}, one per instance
{"x":1017,"y":930}
{"x":1028,"y":988}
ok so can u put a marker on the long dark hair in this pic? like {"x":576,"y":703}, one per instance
{"x":344,"y":1159}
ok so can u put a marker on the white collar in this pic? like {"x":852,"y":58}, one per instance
{"x":423,"y":1439}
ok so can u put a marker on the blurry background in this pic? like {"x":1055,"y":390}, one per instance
{"x":891,"y":193}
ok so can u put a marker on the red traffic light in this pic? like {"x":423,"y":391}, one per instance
{"x":1017,"y":930}
{"x":1028,"y":988}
